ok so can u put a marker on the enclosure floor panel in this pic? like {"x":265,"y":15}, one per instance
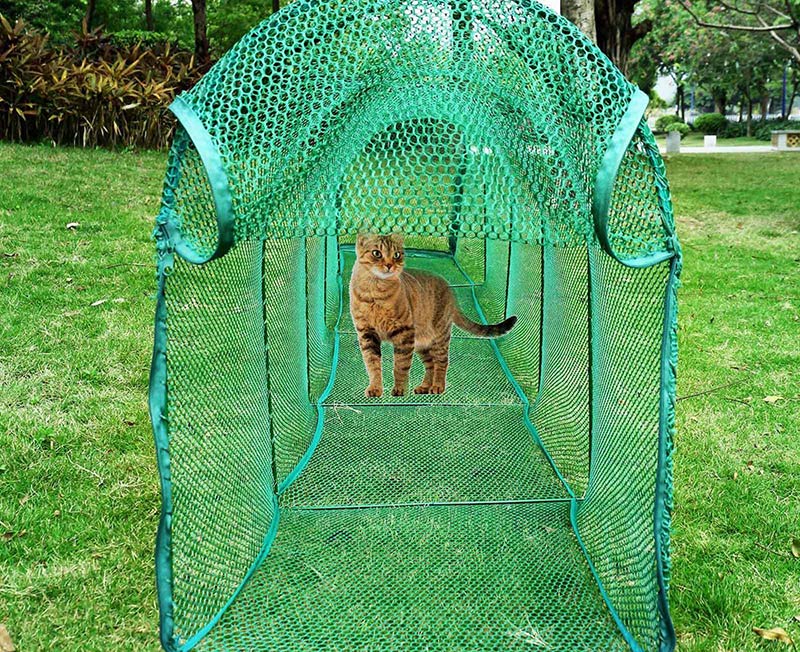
{"x":473,"y":378}
{"x":441,"y":265}
{"x":455,"y":578}
{"x":423,"y":454}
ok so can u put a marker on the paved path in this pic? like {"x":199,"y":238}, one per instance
{"x":732,"y":149}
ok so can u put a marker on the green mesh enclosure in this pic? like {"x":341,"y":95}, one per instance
{"x":528,"y":507}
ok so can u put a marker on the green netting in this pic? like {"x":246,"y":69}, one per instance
{"x":527,"y":507}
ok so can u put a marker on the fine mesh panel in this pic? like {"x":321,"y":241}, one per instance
{"x":424,"y":454}
{"x":320,"y":272}
{"x":293,"y":416}
{"x":492,"y":293}
{"x":490,"y":577}
{"x":520,"y":347}
{"x":188,"y":197}
{"x":561,"y":410}
{"x":220,"y":450}
{"x":616,"y":519}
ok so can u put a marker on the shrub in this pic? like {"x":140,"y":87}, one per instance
{"x":680,"y":127}
{"x":97,"y":91}
{"x":711,"y":123}
{"x":665,"y":120}
{"x":763,"y":130}
{"x":733,"y":130}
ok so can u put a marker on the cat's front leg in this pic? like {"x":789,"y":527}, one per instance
{"x":370,"y":345}
{"x":402,"y":339}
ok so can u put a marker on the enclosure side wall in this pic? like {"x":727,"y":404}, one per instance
{"x":616,"y":520}
{"x":218,"y":424}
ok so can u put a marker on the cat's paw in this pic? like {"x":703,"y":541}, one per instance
{"x":422,"y":389}
{"x":398,"y":391}
{"x":437,"y":389}
{"x":372,"y":390}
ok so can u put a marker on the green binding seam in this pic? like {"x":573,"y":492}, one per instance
{"x":607,"y":174}
{"x":217,"y":179}
{"x":157,"y":400}
{"x":666,"y":420}
{"x":573,"y":514}
{"x":262,"y":554}
{"x":298,"y":469}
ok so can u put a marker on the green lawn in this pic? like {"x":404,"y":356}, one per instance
{"x":79,"y":495}
{"x":695,"y":139}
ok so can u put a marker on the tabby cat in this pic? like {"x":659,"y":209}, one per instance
{"x":413,"y":310}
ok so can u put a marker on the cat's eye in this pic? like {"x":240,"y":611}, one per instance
{"x":377,"y":254}
{"x":397,"y":255}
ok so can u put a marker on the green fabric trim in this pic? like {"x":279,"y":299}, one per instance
{"x":157,"y":399}
{"x":217,"y":179}
{"x":604,"y":182}
{"x":663,"y":499}
{"x":298,"y":469}
{"x":262,"y":554}
{"x":573,"y":517}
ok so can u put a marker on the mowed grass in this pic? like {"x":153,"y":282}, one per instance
{"x":79,"y":497}
{"x":737,"y":466}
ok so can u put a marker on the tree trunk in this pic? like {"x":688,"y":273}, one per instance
{"x":615,"y":31}
{"x":276,"y":6}
{"x":148,"y":16}
{"x":792,"y":97}
{"x":741,"y":109}
{"x":88,"y":17}
{"x":720,"y":102}
{"x":201,"y":50}
{"x":680,"y":103}
{"x":581,"y":12}
{"x":765,"y":102}
{"x":749,"y":117}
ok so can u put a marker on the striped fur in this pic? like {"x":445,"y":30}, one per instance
{"x":413,"y":310}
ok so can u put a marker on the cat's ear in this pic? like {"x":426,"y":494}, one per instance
{"x":397,"y":239}
{"x":361,"y":240}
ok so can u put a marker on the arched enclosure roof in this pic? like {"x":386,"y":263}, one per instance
{"x":271,"y":131}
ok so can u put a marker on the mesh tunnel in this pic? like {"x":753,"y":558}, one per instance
{"x":527,"y":507}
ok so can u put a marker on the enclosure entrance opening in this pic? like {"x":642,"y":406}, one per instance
{"x":526,"y":507}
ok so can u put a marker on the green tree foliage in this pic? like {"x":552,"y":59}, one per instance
{"x":721,"y":66}
{"x":62,"y":18}
{"x":229,"y":20}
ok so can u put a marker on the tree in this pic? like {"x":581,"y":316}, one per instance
{"x":202,"y":52}
{"x":610,"y":24}
{"x":148,"y":16}
{"x":778,"y":19}
{"x":616,"y":32}
{"x":581,"y":12}
{"x":88,"y":17}
{"x":720,"y":65}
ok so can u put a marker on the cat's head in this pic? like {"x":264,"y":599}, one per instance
{"x":382,"y":255}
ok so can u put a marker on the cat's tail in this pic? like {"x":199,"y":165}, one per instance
{"x":484,"y":330}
